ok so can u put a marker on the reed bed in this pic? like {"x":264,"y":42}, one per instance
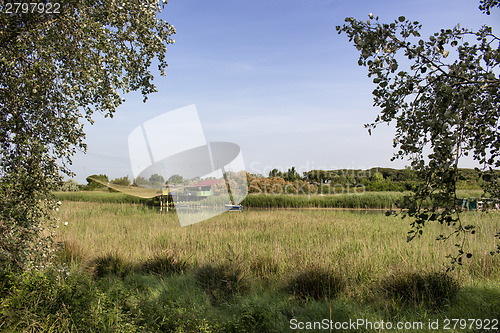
{"x":366,"y":200}
{"x":362,"y":246}
{"x":100,"y":196}
{"x":132,"y":269}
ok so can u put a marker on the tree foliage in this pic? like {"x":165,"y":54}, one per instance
{"x":123,"y":181}
{"x":157,"y":180}
{"x":443,"y":95}
{"x":70,"y":185}
{"x":92,"y":184}
{"x":175,"y":179}
{"x":56,"y":70}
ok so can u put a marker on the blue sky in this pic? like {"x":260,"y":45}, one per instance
{"x":274,"y":77}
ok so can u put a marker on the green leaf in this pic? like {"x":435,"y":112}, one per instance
{"x":441,"y":104}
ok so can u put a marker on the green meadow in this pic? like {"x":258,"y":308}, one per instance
{"x":127,"y":268}
{"x":366,"y":200}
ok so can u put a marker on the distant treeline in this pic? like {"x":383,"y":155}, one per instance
{"x":352,"y":180}
{"x":386,"y":179}
{"x":313,"y":182}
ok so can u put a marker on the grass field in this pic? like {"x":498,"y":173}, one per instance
{"x":328,"y":238}
{"x":367,"y":200}
{"x":138,"y":270}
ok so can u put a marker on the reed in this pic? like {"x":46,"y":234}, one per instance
{"x":133,"y":269}
{"x":362,"y":245}
{"x":100,"y":196}
{"x":365,"y":200}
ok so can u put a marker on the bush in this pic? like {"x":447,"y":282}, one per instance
{"x":221,"y":281}
{"x":110,"y":264}
{"x":164,"y":264}
{"x":93,"y":185}
{"x":429,"y":289}
{"x":315,"y":283}
{"x":69,"y":185}
{"x":42,"y":301}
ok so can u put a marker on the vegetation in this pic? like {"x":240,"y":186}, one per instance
{"x":290,"y":175}
{"x":175,"y":179}
{"x":367,"y":200}
{"x":383,"y":179}
{"x":127,"y":268}
{"x":439,"y":91}
{"x":57,"y":69}
{"x":313,"y":182}
{"x":100,"y":196}
{"x":92,"y":184}
{"x":123,"y":181}
{"x":70,"y":185}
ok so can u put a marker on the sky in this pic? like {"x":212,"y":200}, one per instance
{"x":274,"y":77}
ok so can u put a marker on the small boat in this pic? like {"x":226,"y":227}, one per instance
{"x":236,"y":208}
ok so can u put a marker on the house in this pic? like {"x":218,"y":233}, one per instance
{"x":203,"y":188}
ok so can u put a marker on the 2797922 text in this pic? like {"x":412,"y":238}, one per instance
{"x":31,"y":7}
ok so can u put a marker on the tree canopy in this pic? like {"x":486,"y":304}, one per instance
{"x":56,"y":70}
{"x":443,"y":95}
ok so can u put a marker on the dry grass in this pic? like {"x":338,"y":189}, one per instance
{"x":362,"y":247}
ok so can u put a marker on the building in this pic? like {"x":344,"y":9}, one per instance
{"x":202,"y":189}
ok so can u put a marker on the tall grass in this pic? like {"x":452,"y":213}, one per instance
{"x":360,"y":245}
{"x":100,"y":196}
{"x":247,"y":272}
{"x":367,"y":200}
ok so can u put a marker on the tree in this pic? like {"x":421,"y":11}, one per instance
{"x":377,"y":177}
{"x":445,"y":101}
{"x":156,"y":180}
{"x":175,"y":179}
{"x":123,"y":181}
{"x":142,"y":182}
{"x":56,"y":70}
{"x":275,"y":173}
{"x":92,"y":184}
{"x":70,"y":186}
{"x":292,"y":174}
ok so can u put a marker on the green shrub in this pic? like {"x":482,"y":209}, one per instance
{"x":110,"y":264}
{"x":167,"y":263}
{"x":7,"y":281}
{"x":429,"y":289}
{"x":50,"y":300}
{"x":315,"y":283}
{"x":69,"y":185}
{"x":221,"y":281}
